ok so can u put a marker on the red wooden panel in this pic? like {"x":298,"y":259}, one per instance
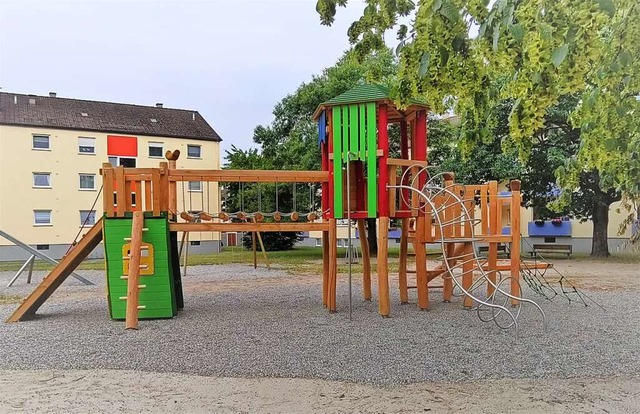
{"x":122,"y":146}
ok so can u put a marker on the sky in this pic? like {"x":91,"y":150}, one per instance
{"x":231,"y":60}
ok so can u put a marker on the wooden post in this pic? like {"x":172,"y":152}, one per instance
{"x":516,"y":200}
{"x":384,"y":306}
{"x":467,"y":272}
{"x":447,"y":233}
{"x":366,"y":260}
{"x":325,"y":267}
{"x":333,"y":266}
{"x":402,"y":272}
{"x":107,"y":187}
{"x":133,"y":292}
{"x":255,"y":252}
{"x":404,"y":154}
{"x":421,"y":264}
{"x":494,"y":222}
{"x":121,"y":192}
{"x":383,"y":175}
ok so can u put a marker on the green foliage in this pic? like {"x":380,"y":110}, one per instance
{"x":273,"y":241}
{"x":531,"y":54}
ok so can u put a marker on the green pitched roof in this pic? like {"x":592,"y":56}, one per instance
{"x":361,"y":93}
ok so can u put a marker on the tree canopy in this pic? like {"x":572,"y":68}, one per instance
{"x":470,"y":56}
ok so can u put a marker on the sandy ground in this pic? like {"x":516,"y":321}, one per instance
{"x":129,"y":391}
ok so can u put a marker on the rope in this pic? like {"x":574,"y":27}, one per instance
{"x":86,"y":220}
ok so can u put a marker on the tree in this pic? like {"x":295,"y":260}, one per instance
{"x":528,"y":52}
{"x":290,"y":141}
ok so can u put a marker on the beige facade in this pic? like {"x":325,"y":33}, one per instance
{"x":56,"y":187}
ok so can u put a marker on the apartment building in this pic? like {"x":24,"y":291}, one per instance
{"x":51,"y":151}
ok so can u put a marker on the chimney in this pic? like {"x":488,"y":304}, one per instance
{"x":15,"y":99}
{"x":32,"y":101}
{"x":159,"y":105}
{"x":193,"y":116}
{"x":52,"y":94}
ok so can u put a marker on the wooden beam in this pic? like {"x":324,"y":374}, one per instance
{"x":384,"y":306}
{"x":54,"y":279}
{"x":366,"y":260}
{"x":133,"y":291}
{"x":263,"y":227}
{"x":249,"y":176}
{"x":402,"y":272}
{"x":405,"y":163}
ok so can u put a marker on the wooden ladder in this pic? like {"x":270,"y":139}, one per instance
{"x":133,"y":286}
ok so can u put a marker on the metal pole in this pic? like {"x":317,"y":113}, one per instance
{"x":33,"y":259}
{"x":24,"y":266}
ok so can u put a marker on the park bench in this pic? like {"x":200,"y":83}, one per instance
{"x":502,"y":250}
{"x":552,"y":248}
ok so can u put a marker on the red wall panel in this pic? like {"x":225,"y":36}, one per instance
{"x":122,"y":146}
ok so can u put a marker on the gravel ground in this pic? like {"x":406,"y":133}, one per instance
{"x":271,"y":324}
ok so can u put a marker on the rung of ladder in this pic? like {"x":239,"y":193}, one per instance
{"x":144,"y":266}
{"x":122,"y":298}
{"x":142,"y":286}
{"x":142,"y":307}
{"x":124,"y":277}
{"x":127,"y":239}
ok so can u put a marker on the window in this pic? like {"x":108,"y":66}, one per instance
{"x":42,"y":217}
{"x":42,"y":247}
{"x":123,"y":161}
{"x":155,"y":149}
{"x":87,"y":217}
{"x":42,"y":180}
{"x":41,"y":142}
{"x":86,"y":145}
{"x":318,"y":242}
{"x":549,"y":239}
{"x":195,"y":185}
{"x":87,"y":181}
{"x":194,"y":151}
{"x":195,"y":243}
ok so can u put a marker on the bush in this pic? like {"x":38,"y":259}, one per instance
{"x":273,"y":241}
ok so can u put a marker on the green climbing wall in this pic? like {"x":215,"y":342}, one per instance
{"x":354,"y":130}
{"x":158,"y":296}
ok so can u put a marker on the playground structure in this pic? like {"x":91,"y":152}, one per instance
{"x":358,"y":180}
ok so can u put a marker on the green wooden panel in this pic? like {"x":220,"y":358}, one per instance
{"x":372,"y":149}
{"x":159,"y":295}
{"x":353,"y":131}
{"x":345,"y":131}
{"x":336,"y":122}
{"x":362,"y":154}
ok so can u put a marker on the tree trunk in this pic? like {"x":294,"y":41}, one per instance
{"x":600,"y":218}
{"x":372,"y":236}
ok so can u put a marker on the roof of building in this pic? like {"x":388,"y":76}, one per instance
{"x":77,"y":114}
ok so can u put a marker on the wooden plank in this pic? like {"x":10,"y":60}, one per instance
{"x":366,"y":260}
{"x":406,"y":163}
{"x":384,"y":305}
{"x":164,"y":186}
{"x":516,"y":201}
{"x":393,"y":192}
{"x":362,"y":137}
{"x":263,"y":227}
{"x":250,"y":176}
{"x":345,"y":131}
{"x":467,"y":272}
{"x":107,"y":189}
{"x":402,"y":272}
{"x":155,"y":192}
{"x":484,"y":209}
{"x":120,"y":192}
{"x":492,"y":230}
{"x":128,"y":195}
{"x":325,"y":267}
{"x":421,"y":264}
{"x":372,"y":145}
{"x":147,"y":196}
{"x":173,"y":192}
{"x":353,"y":131}
{"x":138,"y":193}
{"x":135,"y":253}
{"x":333,"y":266}
{"x":54,"y":279}
{"x":337,"y":163}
